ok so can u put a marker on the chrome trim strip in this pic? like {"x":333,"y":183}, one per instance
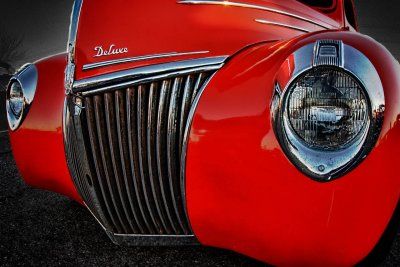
{"x":139,"y":73}
{"x":139,"y":58}
{"x":149,"y":79}
{"x":268,"y":22}
{"x":146,"y":240}
{"x":94,"y":216}
{"x":73,"y":30}
{"x":186,"y":104}
{"x":73,"y":27}
{"x":189,"y":121}
{"x":246,"y":5}
{"x":137,"y":235}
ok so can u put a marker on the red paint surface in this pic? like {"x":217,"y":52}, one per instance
{"x":163,"y":26}
{"x":38,"y":145}
{"x":243,"y":194}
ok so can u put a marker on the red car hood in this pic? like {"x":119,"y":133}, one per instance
{"x":111,"y":30}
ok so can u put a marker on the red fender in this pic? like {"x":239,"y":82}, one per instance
{"x":243,"y":194}
{"x":38,"y":145}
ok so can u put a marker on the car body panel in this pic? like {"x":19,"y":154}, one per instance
{"x":244,"y":194}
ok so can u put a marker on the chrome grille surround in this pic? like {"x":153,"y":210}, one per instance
{"x":125,"y":140}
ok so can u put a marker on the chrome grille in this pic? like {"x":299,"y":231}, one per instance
{"x":133,"y":140}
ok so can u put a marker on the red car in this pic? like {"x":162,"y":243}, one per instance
{"x":267,"y":127}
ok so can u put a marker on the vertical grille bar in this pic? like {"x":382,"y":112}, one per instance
{"x":151,"y":153}
{"x":172,"y":152}
{"x":105,"y":158}
{"x":122,"y":129}
{"x":188,"y":93}
{"x":197,"y":86}
{"x":131,"y":100}
{"x":142,"y":149}
{"x":76,"y":161}
{"x":100,"y":177}
{"x":116,"y":160}
{"x":161,"y":144}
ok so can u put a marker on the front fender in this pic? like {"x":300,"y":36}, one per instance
{"x":38,"y":145}
{"x":244,"y":194}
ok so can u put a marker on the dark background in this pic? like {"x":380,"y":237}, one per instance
{"x":44,"y":24}
{"x":43,"y":228}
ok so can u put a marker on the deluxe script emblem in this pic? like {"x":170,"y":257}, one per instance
{"x":112,"y":50}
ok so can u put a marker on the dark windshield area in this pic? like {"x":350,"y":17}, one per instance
{"x":325,"y":5}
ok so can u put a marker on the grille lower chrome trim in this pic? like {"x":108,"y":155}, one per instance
{"x":131,"y":142}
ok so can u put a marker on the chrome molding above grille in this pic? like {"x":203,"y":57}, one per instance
{"x":130,"y":77}
{"x":139,"y":58}
{"x":248,"y":5}
{"x":262,"y":21}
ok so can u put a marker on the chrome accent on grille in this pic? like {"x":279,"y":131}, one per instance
{"x":268,"y":22}
{"x":249,"y":5}
{"x":73,"y":30}
{"x":130,"y":143}
{"x":198,"y":90}
{"x":139,"y":58}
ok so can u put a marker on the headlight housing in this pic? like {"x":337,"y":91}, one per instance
{"x":20,"y":93}
{"x":328,"y":111}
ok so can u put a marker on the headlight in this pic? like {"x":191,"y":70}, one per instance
{"x":16,"y":100}
{"x":20,"y":93}
{"x":327,"y":108}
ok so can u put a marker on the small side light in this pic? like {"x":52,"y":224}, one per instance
{"x":16,"y":100}
{"x":20,"y":93}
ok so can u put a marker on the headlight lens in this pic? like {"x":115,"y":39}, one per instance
{"x":327,"y":108}
{"x":16,"y":99}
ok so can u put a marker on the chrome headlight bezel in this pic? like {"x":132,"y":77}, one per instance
{"x":327,"y":164}
{"x":27,"y":78}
